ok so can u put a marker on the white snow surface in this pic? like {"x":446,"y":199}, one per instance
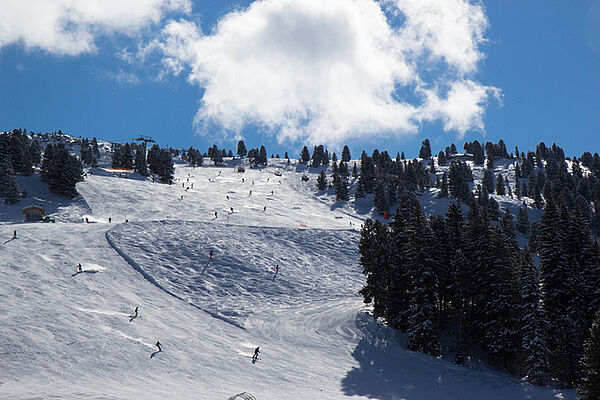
{"x":70,"y":335}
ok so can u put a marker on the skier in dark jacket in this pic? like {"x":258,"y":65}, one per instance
{"x":135,"y":312}
{"x":79,"y":269}
{"x":158,"y":345}
{"x":256,"y":351}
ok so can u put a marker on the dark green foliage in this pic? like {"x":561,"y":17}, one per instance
{"x":441,"y":158}
{"x":322,"y":181}
{"x":523,"y":221}
{"x":341,"y":188}
{"x":346,"y":154}
{"x":458,"y":177}
{"x":9,"y":189}
{"x":476,"y":149}
{"x":425,"y":151}
{"x":380,"y":201}
{"x":61,"y":170}
{"x":488,"y":181}
{"x":589,"y":388}
{"x":95,"y":150}
{"x":166,"y":170}
{"x":534,"y":364}
{"x":15,"y":147}
{"x":304,"y":155}
{"x":443,"y":186}
{"x":141,"y":166}
{"x":241,"y":149}
{"x":500,"y":187}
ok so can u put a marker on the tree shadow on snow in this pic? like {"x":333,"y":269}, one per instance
{"x":387,"y":371}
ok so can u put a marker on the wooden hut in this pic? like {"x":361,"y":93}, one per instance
{"x":33,"y":213}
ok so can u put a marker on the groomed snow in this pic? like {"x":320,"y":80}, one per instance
{"x":65,"y":334}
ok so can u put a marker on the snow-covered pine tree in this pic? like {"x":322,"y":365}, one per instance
{"x":589,"y":388}
{"x":534,"y":351}
{"x":421,"y":262}
{"x":374,"y":257}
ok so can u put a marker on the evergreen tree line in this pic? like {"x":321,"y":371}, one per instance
{"x":467,"y":279}
{"x":61,"y":170}
{"x":18,"y":154}
{"x":193,"y":157}
{"x":160,"y":162}
{"x":90,"y":152}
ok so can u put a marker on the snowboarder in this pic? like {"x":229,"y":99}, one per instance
{"x":135,"y":312}
{"x":256,"y":351}
{"x":210,"y":255}
{"x":158,"y":345}
{"x":79,"y":269}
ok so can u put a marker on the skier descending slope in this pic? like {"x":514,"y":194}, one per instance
{"x":158,"y":345}
{"x":255,"y":356}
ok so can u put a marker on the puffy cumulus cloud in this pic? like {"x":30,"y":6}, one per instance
{"x":329,"y":71}
{"x":70,"y":27}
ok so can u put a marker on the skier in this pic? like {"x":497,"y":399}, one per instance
{"x":158,"y":345}
{"x":276,"y":269}
{"x":79,"y":269}
{"x":109,"y":219}
{"x":215,"y":214}
{"x":135,"y":312}
{"x":87,"y":221}
{"x":231,"y":208}
{"x":265,"y":209}
{"x":256,"y":351}
{"x":227,"y":197}
{"x":210,"y":255}
{"x":15,"y":234}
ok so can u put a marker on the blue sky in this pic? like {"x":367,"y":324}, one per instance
{"x":285,"y":74}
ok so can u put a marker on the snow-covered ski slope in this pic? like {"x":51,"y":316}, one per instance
{"x":69,"y":335}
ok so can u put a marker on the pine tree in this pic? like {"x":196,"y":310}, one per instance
{"x":241,"y":149}
{"x":341,"y":188}
{"x":443,"y":186}
{"x":9,"y":189}
{"x":354,"y":171}
{"x":488,"y":181}
{"x":425,"y":151}
{"x":589,"y":388}
{"x":380,"y":200}
{"x":523,"y":221}
{"x":304,"y":155}
{"x":95,"y":150}
{"x":140,"y":160}
{"x":374,"y":251}
{"x":500,"y":187}
{"x":322,"y":181}
{"x":420,"y":262}
{"x":166,"y":169}
{"x":346,"y":154}
{"x":534,"y":351}
{"x":126,"y":157}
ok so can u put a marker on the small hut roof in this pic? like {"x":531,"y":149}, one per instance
{"x":33,"y":207}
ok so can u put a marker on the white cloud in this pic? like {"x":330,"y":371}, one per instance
{"x":70,"y":27}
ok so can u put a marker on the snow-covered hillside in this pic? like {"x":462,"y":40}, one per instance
{"x":65,"y":334}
